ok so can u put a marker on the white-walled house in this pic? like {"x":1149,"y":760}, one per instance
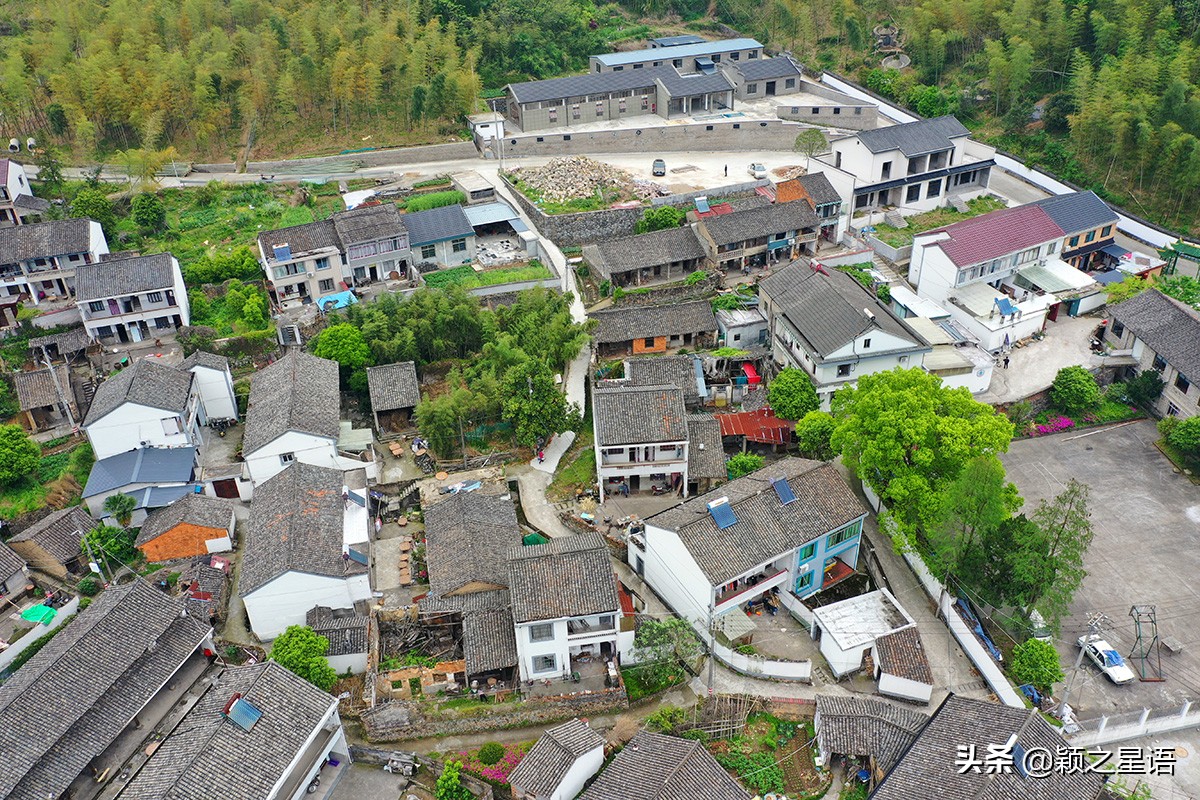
{"x":18,"y":206}
{"x":829,"y":325}
{"x":38,"y":261}
{"x":305,"y":546}
{"x":794,"y":525}
{"x":641,"y":437}
{"x":848,"y":629}
{"x":213,"y":382}
{"x":901,"y":666}
{"x":559,"y":764}
{"x":147,"y":404}
{"x":132,"y":298}
{"x":347,"y":632}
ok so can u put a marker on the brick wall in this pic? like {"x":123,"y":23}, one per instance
{"x":640,"y":348}
{"x":183,"y":541}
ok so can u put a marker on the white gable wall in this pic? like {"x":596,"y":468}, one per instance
{"x":579,"y":773}
{"x":672,"y":572}
{"x":288,"y":598}
{"x":264,"y":462}
{"x":130,"y":426}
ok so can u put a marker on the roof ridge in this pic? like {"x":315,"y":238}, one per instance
{"x":691,"y":753}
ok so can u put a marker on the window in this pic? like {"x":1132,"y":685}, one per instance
{"x":816,"y":110}
{"x":1118,"y":329}
{"x":658,"y":63}
{"x":751,"y":88}
{"x":836,"y":110}
{"x":621,"y":106}
{"x":837,"y":160}
{"x":737,"y":126}
{"x":428,"y":251}
{"x":866,"y":344}
{"x":1106,"y":231}
{"x":1172,"y":410}
{"x":286,"y":458}
{"x":1091,"y":235}
{"x":735,"y":56}
{"x":645,"y":102}
{"x":554,"y":115}
{"x":1073,"y":242}
{"x":913,"y":194}
{"x":716,"y":58}
{"x":162,"y":323}
{"x":677,"y":63}
{"x":323,"y":262}
{"x":1160,"y":363}
{"x":844,"y":535}
{"x":808,"y":552}
{"x":638,"y":66}
{"x":606,"y":621}
{"x":542,"y":632}
{"x":804,"y":581}
{"x":600,"y":109}
{"x":790,"y":83}
{"x":737,"y":337}
{"x":154,"y":297}
{"x":1181,"y":382}
{"x":326,"y":285}
{"x":458,"y":245}
{"x":885,"y":171}
{"x":618,"y":69}
{"x":566,"y":137}
{"x":935,"y":188}
{"x":753,"y":54}
{"x":545,"y":663}
{"x":541,"y":139}
{"x":95,"y":305}
{"x":858,"y":112}
{"x":1052,"y":248}
{"x":575,"y":111}
{"x":843,"y":370}
{"x":172,"y":426}
{"x":648,"y":342}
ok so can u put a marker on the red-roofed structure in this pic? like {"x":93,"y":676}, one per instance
{"x":1000,"y":233}
{"x":757,"y":426}
{"x":718,"y":210}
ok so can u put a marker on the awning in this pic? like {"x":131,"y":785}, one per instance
{"x":1071,"y":252}
{"x":751,"y":373}
{"x":1116,"y":251}
{"x":778,"y":244}
{"x":735,"y":624}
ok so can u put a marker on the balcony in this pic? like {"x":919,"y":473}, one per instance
{"x":751,"y":587}
{"x":836,"y":571}
{"x":583,"y":627}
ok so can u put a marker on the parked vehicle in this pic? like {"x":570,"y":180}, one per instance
{"x":1104,"y":656}
{"x":659,"y":169}
{"x":757,"y":171}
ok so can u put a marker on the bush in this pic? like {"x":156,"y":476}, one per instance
{"x":1020,"y":414}
{"x":491,"y":753}
{"x":813,"y":434}
{"x":1144,"y":389}
{"x":659,"y":219}
{"x":667,"y":719}
{"x":1075,"y":391}
{"x":743,"y":464}
{"x":1117,"y":393}
{"x":88,"y":587}
{"x":792,"y":395}
{"x":1036,"y":662}
{"x":425,"y":202}
{"x":1166,"y":425}
{"x":1186,"y":436}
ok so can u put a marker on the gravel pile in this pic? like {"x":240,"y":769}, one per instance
{"x":574,"y":177}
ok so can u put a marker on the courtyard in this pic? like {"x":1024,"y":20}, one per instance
{"x":1146,"y":551}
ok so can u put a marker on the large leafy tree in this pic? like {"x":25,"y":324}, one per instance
{"x":978,"y":501}
{"x":660,"y":646}
{"x":302,"y":650}
{"x":94,"y":204}
{"x":449,"y":784}
{"x":342,"y":343}
{"x":1052,"y":572}
{"x":813,"y":432}
{"x":535,"y":405}
{"x":1036,"y":662}
{"x":792,"y":394}
{"x":113,"y":542}
{"x":18,"y":454}
{"x":1075,"y":391}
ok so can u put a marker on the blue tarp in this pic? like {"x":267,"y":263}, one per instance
{"x":339,"y":300}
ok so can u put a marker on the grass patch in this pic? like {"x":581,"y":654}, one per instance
{"x":30,"y":493}
{"x":579,"y":472}
{"x":1188,"y":466}
{"x":466,"y":277}
{"x":640,"y":683}
{"x":919,"y":223}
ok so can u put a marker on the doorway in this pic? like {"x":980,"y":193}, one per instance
{"x":226,"y":488}
{"x":770,"y":88}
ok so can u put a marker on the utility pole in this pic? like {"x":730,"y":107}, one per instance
{"x":1094,"y":624}
{"x":462,"y":442}
{"x":712,"y":648}
{"x":92,"y":558}
{"x":58,"y":390}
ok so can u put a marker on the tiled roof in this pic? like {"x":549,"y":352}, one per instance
{"x":468,"y":537}
{"x":827,"y":309}
{"x":59,"y":237}
{"x":902,"y":654}
{"x":860,"y":726}
{"x":299,"y":392}
{"x":31,"y":202}
{"x":152,"y":465}
{"x":72,"y":700}
{"x":306,"y":238}
{"x":960,"y":722}
{"x":200,"y":358}
{"x":819,"y":188}
{"x":547,"y":763}
{"x":59,"y":533}
{"x":678,"y":85}
{"x":118,"y":277}
{"x":765,"y":527}
{"x":36,"y":389}
{"x":393,"y":386}
{"x":626,"y":323}
{"x":678,"y":371}
{"x":489,"y":640}
{"x":204,"y":587}
{"x":296,"y":524}
{"x":10,"y":563}
{"x":569,"y":576}
{"x":1078,"y":211}
{"x":706,"y":457}
{"x":579,"y":85}
{"x":613,"y":256}
{"x":1168,"y":327}
{"x":657,"y":767}
{"x":192,"y":509}
{"x":145,"y":382}
{"x":999,"y":233}
{"x":679,"y":51}
{"x":914,"y":138}
{"x":345,"y":629}
{"x":489,"y":600}
{"x":68,"y":341}
{"x":218,"y":758}
{"x":758,"y":69}
{"x":437,"y":224}
{"x":639,"y":415}
{"x":368,"y":224}
{"x":757,"y":222}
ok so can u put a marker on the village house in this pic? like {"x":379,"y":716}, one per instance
{"x":743,"y":328}
{"x":641,"y":438}
{"x":848,"y":629}
{"x":442,"y":236}
{"x":212,"y":382}
{"x":38,"y":262}
{"x":638,"y":330}
{"x":147,"y":404}
{"x":372,"y":243}
{"x":1089,"y":227}
{"x":650,"y":258}
{"x":46,"y":397}
{"x":112,"y":676}
{"x":66,"y":346}
{"x":154,"y":476}
{"x":476,"y":187}
{"x":816,"y":190}
{"x":12,"y":572}
{"x":18,"y":206}
{"x":559,"y":764}
{"x":204,"y":586}
{"x":902,"y":667}
{"x":347,"y":632}
{"x":193,"y":525}
{"x":1161,"y":334}
{"x":684,"y":372}
{"x":52,"y":544}
{"x":395,"y":393}
{"x":758,"y":237}
{"x":760,"y":78}
{"x":876,"y":731}
{"x":132,"y":298}
{"x":794,"y":525}
{"x":706,"y":456}
{"x":828,"y":324}
{"x":655,"y":767}
{"x":697,"y":57}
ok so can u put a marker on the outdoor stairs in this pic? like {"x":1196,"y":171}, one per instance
{"x":887,"y":269}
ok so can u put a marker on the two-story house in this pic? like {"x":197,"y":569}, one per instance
{"x":641,"y":438}
{"x":18,"y":206}
{"x":829,"y":325}
{"x":913,"y":166}
{"x":303,"y":263}
{"x":640,"y":330}
{"x":1161,"y":334}
{"x":565,"y":606}
{"x":374,"y":245}
{"x":38,"y":261}
{"x":794,"y":525}
{"x":147,"y":404}
{"x":133,"y":298}
{"x":816,"y":190}
{"x":1088,"y":225}
{"x":441,"y":235}
{"x":758,"y":236}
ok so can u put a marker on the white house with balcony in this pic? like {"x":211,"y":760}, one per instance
{"x":829,"y":325}
{"x":147,"y":404}
{"x":641,"y":438}
{"x":133,"y":298}
{"x":38,"y":262}
{"x":790,"y":529}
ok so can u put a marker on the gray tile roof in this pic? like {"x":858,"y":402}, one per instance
{"x":152,"y":465}
{"x":960,"y":722}
{"x":675,"y":41}
{"x":368,"y":224}
{"x":657,"y":767}
{"x":192,"y":509}
{"x":578,"y":85}
{"x":902,"y":654}
{"x":59,"y":237}
{"x":218,"y":758}
{"x":679,"y":371}
{"x":861,"y":726}
{"x":200,"y":358}
{"x":767,"y":68}
{"x":437,"y":224}
{"x":569,"y":576}
{"x":467,"y":538}
{"x":68,"y":341}
{"x":35,"y":389}
{"x":205,"y":588}
{"x":31,"y":202}
{"x":299,"y":392}
{"x":145,"y":382}
{"x":489,"y":600}
{"x":296,"y":525}
{"x":765,"y":527}
{"x":757,"y":222}
{"x":345,"y":629}
{"x":393,"y":386}
{"x":819,"y":188}
{"x":10,"y":562}
{"x":73,"y":699}
{"x":626,"y":323}
{"x":306,"y":238}
{"x":59,"y":533}
{"x":614,"y":256}
{"x":1168,"y":327}
{"x":1078,"y":211}
{"x":639,"y":415}
{"x":489,"y":640}
{"x":118,"y":277}
{"x":547,"y":763}
{"x":914,"y":138}
{"x":826,"y":309}
{"x":706,"y":457}
{"x":678,"y":85}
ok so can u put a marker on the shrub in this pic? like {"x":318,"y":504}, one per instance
{"x":1166,"y":425}
{"x":1020,"y":414}
{"x":696,"y":277}
{"x":1054,"y":424}
{"x":743,"y":464}
{"x":1117,"y":393}
{"x":491,"y":753}
{"x":1075,"y":391}
{"x":425,"y":202}
{"x":1036,"y":662}
{"x":1186,"y":436}
{"x":88,"y":587}
{"x":1145,"y":388}
{"x":667,"y":719}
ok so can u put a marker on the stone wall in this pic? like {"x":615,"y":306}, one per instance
{"x":1040,"y":401}
{"x":734,"y":135}
{"x":857,"y":117}
{"x":677,"y":293}
{"x":396,"y":156}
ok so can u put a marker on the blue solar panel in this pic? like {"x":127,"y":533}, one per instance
{"x":1005,"y":305}
{"x":784,"y":490}
{"x":244,"y":714}
{"x":701,"y":204}
{"x":722,"y":514}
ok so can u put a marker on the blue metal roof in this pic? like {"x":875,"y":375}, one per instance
{"x":437,"y":225}
{"x":153,"y":465}
{"x":680,"y":51}
{"x":339,"y":300}
{"x":489,"y":213}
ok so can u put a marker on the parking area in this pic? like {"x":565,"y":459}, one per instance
{"x":1146,"y":551}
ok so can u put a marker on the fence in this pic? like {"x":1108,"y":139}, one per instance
{"x":759,"y":667}
{"x":1113,"y":728}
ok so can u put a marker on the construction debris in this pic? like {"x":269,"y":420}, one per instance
{"x":574,"y":177}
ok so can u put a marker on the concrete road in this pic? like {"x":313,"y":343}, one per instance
{"x":1033,"y":366}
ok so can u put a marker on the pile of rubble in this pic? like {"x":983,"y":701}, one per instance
{"x":789,"y":172}
{"x":643,"y":189}
{"x":573,"y":177}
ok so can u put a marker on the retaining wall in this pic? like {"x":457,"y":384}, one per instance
{"x":735,"y":135}
{"x":395,"y":156}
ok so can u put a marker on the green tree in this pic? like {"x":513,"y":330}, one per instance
{"x":302,"y":650}
{"x":1066,"y":527}
{"x":1075,"y":391}
{"x":94,"y":204}
{"x":148,"y":212}
{"x":978,"y":501}
{"x":113,"y":542}
{"x":1130,"y":287}
{"x":490,"y":753}
{"x":661,"y":645}
{"x":810,"y":141}
{"x":449,"y":783}
{"x":535,"y":405}
{"x":254,"y":313}
{"x":121,"y":506}
{"x":667,"y":719}
{"x":1145,"y":388}
{"x":1036,"y":662}
{"x":813,"y":432}
{"x":743,"y":464}
{"x":660,"y":218}
{"x":791,"y":394}
{"x":19,"y":454}
{"x":1183,"y":288}
{"x":50,"y":170}
{"x":1186,"y":436}
{"x":344,"y":344}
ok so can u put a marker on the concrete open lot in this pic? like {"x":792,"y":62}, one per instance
{"x":1146,"y":551}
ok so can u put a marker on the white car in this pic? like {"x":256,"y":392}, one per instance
{"x":1105,"y":656}
{"x":757,"y":171}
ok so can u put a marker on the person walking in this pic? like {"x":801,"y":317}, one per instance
{"x":1006,"y":362}
{"x":726,"y":170}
